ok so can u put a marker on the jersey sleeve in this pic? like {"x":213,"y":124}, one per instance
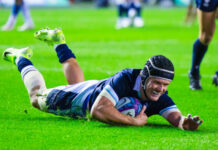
{"x":166,"y":106}
{"x":118,"y":86}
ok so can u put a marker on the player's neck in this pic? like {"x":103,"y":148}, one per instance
{"x":142,"y":94}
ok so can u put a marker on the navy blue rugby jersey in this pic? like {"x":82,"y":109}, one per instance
{"x":127,"y":84}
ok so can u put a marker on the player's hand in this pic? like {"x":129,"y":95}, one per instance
{"x":141,"y":118}
{"x":192,"y":123}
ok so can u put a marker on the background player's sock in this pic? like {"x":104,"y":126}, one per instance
{"x":137,"y":7}
{"x":199,"y":51}
{"x":122,"y":11}
{"x":16,"y":9}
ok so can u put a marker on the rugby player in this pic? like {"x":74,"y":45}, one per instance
{"x":99,"y":98}
{"x":206,"y":10}
{"x":28,"y":23}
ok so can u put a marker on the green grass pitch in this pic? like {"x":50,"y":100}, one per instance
{"x":102,"y":51}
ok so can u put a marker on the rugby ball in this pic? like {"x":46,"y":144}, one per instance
{"x":129,"y":106}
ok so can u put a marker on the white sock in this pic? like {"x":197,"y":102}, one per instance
{"x":26,"y":70}
{"x":32,"y":78}
{"x":11,"y":20}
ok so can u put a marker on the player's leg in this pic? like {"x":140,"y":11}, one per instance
{"x":72,"y":70}
{"x":217,"y":13}
{"x":207,"y":24}
{"x":123,"y":20}
{"x":28,"y":23}
{"x":137,"y":19}
{"x":13,"y":16}
{"x":207,"y":28}
{"x":131,"y":12}
{"x":32,"y":78}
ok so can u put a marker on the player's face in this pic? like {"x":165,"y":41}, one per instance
{"x":155,"y":87}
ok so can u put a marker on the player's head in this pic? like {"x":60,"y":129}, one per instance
{"x":156,"y":76}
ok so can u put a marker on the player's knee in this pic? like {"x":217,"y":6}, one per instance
{"x":206,"y":38}
{"x":33,"y":96}
{"x":35,"y":103}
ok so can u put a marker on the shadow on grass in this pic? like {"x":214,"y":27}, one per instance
{"x":154,"y":125}
{"x":93,"y":123}
{"x":166,"y":127}
{"x":149,"y":125}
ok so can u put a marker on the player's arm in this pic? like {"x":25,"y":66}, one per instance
{"x":172,"y":114}
{"x":103,"y":110}
{"x":185,"y":123}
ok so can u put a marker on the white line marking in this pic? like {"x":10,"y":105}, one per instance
{"x":95,"y":71}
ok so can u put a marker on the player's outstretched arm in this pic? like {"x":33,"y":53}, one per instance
{"x":103,"y":110}
{"x":185,"y":123}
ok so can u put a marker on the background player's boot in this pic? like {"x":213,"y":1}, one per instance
{"x":119,"y":23}
{"x":215,"y":79}
{"x":7,"y":27}
{"x":50,"y":36}
{"x":194,"y":82}
{"x":10,"y":23}
{"x":26,"y":26}
{"x":132,"y":15}
{"x":125,"y":22}
{"x":138,"y":22}
{"x":10,"y":54}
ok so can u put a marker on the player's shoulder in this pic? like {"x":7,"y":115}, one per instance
{"x":128,"y":74}
{"x":131,"y":72}
{"x":125,"y":76}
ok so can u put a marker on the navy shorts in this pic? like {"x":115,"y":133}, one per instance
{"x":207,"y":5}
{"x":64,"y":103}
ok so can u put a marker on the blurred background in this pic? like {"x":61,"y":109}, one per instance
{"x":97,"y":3}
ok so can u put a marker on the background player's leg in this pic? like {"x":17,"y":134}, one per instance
{"x":207,"y":24}
{"x":137,"y":19}
{"x":217,"y":13}
{"x":28,"y":23}
{"x":13,"y":16}
{"x":122,"y":9}
{"x":207,"y":28}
